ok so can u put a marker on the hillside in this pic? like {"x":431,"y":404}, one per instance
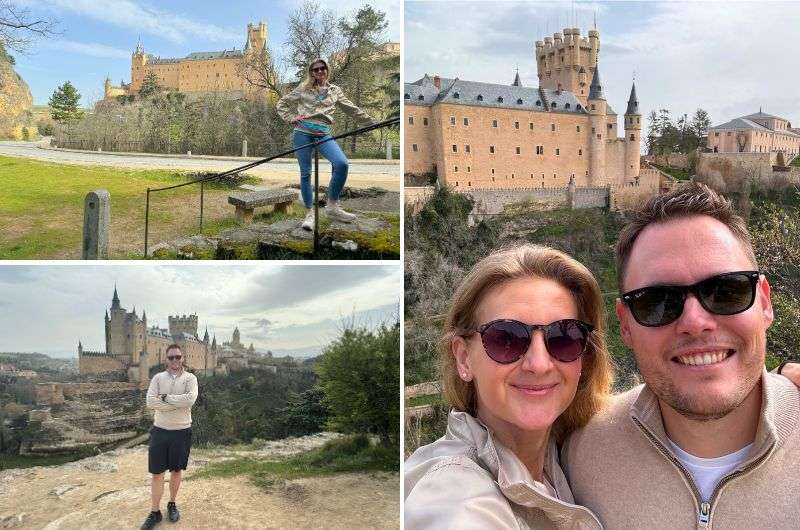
{"x":15,"y":102}
{"x":112,"y":490}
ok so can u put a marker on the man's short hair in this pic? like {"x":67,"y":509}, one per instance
{"x":173,"y":346}
{"x":684,"y":201}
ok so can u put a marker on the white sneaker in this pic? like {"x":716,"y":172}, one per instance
{"x":308,"y":222}
{"x":337,"y":214}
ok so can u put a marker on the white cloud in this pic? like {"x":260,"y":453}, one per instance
{"x":91,"y":49}
{"x":144,"y":18}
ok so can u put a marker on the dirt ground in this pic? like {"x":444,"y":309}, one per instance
{"x":112,"y":491}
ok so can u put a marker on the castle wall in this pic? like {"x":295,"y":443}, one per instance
{"x":615,"y":162}
{"x":493,"y":201}
{"x":415,"y":196}
{"x":418,"y":149}
{"x":514,"y":162}
{"x":631,"y":195}
{"x":157,"y":349}
{"x":101,"y":363}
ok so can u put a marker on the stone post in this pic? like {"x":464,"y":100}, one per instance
{"x":244,"y":148}
{"x":388,"y":149}
{"x":571,"y":193}
{"x":96,"y":222}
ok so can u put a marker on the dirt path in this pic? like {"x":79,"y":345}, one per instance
{"x":112,"y":491}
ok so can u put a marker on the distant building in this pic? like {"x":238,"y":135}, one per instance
{"x":217,"y":71}
{"x":755,"y":133}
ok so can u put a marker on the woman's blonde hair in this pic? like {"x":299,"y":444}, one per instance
{"x":309,"y":81}
{"x":534,"y":261}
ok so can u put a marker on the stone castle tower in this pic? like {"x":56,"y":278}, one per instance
{"x":183,"y":324}
{"x":633,"y":134}
{"x":568,"y":61}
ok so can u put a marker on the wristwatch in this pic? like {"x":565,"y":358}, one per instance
{"x":780,"y":367}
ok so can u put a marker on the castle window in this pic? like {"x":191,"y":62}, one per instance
{"x":512,"y":176}
{"x":455,"y":169}
{"x":519,"y":101}
{"x":538,"y":103}
{"x":452,"y":120}
{"x":499,"y":99}
{"x":716,"y":134}
{"x":480,"y":98}
{"x":411,"y":120}
{"x":456,"y":95}
{"x":599,"y":136}
{"x":424,"y":121}
{"x":516,"y":125}
{"x":468,"y":169}
{"x":414,"y":147}
{"x":578,"y":107}
{"x":518,"y":150}
{"x":494,"y":123}
{"x":558,"y":151}
{"x":539,"y":149}
{"x":466,"y":121}
{"x":421,"y":97}
{"x":728,"y":134}
{"x":552,"y":126}
{"x":578,"y":128}
{"x":456,"y":184}
{"x":610,"y":126}
{"x":492,"y":174}
{"x":592,"y":106}
{"x":530,"y":125}
{"x":469,"y":183}
{"x":592,"y":130}
{"x":632,"y":138}
{"x":491,"y":149}
{"x":455,"y":148}
{"x":493,"y":177}
{"x":580,"y":152}
{"x":566,"y":105}
{"x":466,"y":148}
{"x":553,"y":104}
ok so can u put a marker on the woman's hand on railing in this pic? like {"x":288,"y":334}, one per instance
{"x":297,"y":119}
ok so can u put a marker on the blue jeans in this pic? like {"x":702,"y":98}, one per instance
{"x":329,"y":150}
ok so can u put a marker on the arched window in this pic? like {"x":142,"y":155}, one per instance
{"x":553,"y":104}
{"x":480,"y":97}
{"x":578,"y":107}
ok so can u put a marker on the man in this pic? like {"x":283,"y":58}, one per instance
{"x":710,"y":439}
{"x":171,"y":394}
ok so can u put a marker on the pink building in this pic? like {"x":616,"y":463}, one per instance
{"x":755,"y":133}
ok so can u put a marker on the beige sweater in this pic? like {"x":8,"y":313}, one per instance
{"x":175,"y":410}
{"x":622,"y":468}
{"x":302,"y":102}
{"x":468,"y":480}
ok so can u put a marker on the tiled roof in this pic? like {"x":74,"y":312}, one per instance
{"x":741,"y":123}
{"x":762,"y":115}
{"x":457,"y":91}
{"x":215,"y":55}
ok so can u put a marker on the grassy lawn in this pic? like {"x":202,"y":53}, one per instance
{"x":350,"y":454}
{"x":15,"y":461}
{"x":796,"y":161}
{"x":41,"y":208}
{"x":678,"y":173}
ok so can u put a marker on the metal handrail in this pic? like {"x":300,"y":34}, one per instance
{"x":251,"y":165}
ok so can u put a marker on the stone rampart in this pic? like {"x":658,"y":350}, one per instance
{"x":98,"y":363}
{"x":492,"y":202}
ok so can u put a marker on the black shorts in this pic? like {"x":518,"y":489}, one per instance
{"x":168,"y":450}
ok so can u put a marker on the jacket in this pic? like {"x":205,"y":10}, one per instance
{"x":468,"y":480}
{"x":175,"y":410}
{"x":644,"y":485}
{"x":303,"y":102}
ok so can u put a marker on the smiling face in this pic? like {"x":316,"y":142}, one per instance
{"x":702,"y":365}
{"x":319,"y":72}
{"x":529,"y":394}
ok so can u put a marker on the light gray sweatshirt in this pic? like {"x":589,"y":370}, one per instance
{"x":174,"y":412}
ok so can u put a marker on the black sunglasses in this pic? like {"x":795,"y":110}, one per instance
{"x":506,"y":341}
{"x":724,"y":294}
{"x":319,"y":69}
{"x":174,"y":357}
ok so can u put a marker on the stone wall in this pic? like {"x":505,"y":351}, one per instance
{"x":415,"y":196}
{"x":727,"y":171}
{"x":678,"y":160}
{"x":97,"y":363}
{"x":492,"y":202}
{"x":629,"y":196}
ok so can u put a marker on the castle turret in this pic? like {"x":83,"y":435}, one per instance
{"x":568,"y":60}
{"x":235,"y":341}
{"x":115,"y":300}
{"x":256,"y":37}
{"x":633,"y":131}
{"x":597,"y":119}
{"x":517,"y":81}
{"x":214,"y":344}
{"x":205,"y":337}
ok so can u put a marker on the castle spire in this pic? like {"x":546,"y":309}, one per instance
{"x":517,"y":81}
{"x":596,"y":88}
{"x":115,"y":299}
{"x":633,"y":101}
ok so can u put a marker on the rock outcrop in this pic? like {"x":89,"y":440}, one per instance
{"x":16,"y":119}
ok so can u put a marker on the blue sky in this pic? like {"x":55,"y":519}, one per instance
{"x":726,"y":57}
{"x":298,"y":308}
{"x":98,"y":36}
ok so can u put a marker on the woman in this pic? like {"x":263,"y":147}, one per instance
{"x":524,"y":363}
{"x":309,"y":107}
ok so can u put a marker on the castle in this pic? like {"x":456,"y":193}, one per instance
{"x":484,"y":136}
{"x":755,"y":133}
{"x":132,"y":348}
{"x":217,"y":71}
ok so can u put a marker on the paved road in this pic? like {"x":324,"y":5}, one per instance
{"x":363,"y":173}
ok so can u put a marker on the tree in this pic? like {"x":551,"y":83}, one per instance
{"x":64,"y":104}
{"x":360,"y":375}
{"x":150,"y":85}
{"x":260,"y":70}
{"x":18,"y":28}
{"x":701,"y":121}
{"x":311,"y":35}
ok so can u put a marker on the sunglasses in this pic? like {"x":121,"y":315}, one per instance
{"x":174,"y":357}
{"x":724,"y":294}
{"x":507,"y":341}
{"x":319,"y":69}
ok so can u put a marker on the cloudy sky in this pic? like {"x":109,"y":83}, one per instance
{"x":48,"y":308}
{"x":98,"y":36}
{"x":728,"y":58}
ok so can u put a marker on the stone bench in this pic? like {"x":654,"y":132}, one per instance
{"x":246,"y":202}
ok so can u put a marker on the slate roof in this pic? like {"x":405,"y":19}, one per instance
{"x":763,"y":116}
{"x":196,"y":56}
{"x":596,"y":88}
{"x":741,"y":123}
{"x":633,"y":102}
{"x":457,"y":91}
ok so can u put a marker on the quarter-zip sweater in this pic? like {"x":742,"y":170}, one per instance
{"x":317,"y":110}
{"x":175,"y":410}
{"x":469,"y":480}
{"x":621,"y":466}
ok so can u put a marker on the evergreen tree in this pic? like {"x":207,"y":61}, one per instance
{"x":64,"y":104}
{"x":150,"y":85}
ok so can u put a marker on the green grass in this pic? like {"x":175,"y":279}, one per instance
{"x":433,"y":399}
{"x":796,"y":161}
{"x":349,"y":454}
{"x":42,"y":204}
{"x":680,"y":174}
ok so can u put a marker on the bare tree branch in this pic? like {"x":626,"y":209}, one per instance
{"x":259,"y":70}
{"x":18,"y":28}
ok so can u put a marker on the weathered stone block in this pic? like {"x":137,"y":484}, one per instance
{"x":96,"y":224}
